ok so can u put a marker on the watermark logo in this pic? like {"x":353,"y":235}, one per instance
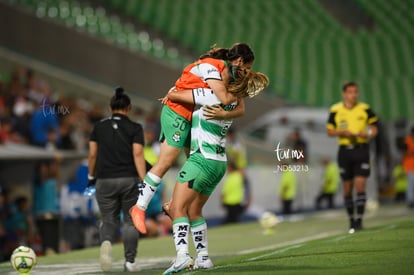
{"x":53,"y":109}
{"x":290,"y":160}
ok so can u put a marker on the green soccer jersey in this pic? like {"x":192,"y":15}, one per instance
{"x":209,"y":136}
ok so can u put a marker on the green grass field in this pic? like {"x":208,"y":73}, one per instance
{"x":316,"y":243}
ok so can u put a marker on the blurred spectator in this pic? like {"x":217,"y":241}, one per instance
{"x":3,"y":106}
{"x":5,"y":129}
{"x":138,"y":115}
{"x":296,"y":142}
{"x":16,"y":223}
{"x":235,"y":150}
{"x":79,"y":212}
{"x":287,"y":190}
{"x":66,"y":142}
{"x":153,"y":118}
{"x":7,"y":244}
{"x":408,"y":163}
{"x":44,"y":125}
{"x":330,"y":184}
{"x":14,"y":87}
{"x":152,"y":145}
{"x":21,"y":221}
{"x":51,"y":140}
{"x":232,"y":194}
{"x":21,"y":116}
{"x":236,"y":153}
{"x":28,"y":105}
{"x":8,"y":133}
{"x":400,"y":182}
{"x":46,"y":204}
{"x":33,"y":87}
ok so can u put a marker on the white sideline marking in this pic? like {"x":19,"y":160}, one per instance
{"x":386,"y":228}
{"x":340,"y":238}
{"x":91,"y":267}
{"x":295,"y":244}
{"x":276,"y":252}
{"x":301,"y":240}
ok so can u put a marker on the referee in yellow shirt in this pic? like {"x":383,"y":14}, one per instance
{"x":354,"y":123}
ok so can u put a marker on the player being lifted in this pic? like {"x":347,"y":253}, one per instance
{"x":213,"y":71}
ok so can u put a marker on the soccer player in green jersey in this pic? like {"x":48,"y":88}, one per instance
{"x":204,"y":168}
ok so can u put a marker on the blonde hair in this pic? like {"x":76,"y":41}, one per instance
{"x":247,"y":83}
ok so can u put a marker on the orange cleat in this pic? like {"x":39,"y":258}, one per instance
{"x":138,"y":218}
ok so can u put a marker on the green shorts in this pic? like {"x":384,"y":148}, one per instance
{"x":202,"y":175}
{"x":175,"y":129}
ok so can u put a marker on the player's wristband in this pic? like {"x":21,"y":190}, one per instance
{"x":91,"y":177}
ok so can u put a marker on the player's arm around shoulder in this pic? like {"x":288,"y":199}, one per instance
{"x":183,"y":96}
{"x":219,"y":88}
{"x":217,"y":112}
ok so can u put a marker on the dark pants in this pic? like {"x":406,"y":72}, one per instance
{"x":287,"y":207}
{"x":328,"y":197}
{"x":114,"y":196}
{"x":234,"y":213}
{"x":49,"y":228}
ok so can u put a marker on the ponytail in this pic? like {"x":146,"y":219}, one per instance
{"x":247,"y":83}
{"x":216,"y":53}
{"x":120,"y":101}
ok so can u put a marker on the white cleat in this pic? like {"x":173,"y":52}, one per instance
{"x":180,"y":263}
{"x":106,"y":256}
{"x":203,"y":262}
{"x":351,"y":231}
{"x":131,"y":267}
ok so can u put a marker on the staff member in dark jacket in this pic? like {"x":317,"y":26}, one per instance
{"x":116,"y":162}
{"x":354,"y":124}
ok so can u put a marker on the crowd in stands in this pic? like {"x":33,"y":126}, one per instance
{"x":33,"y":113}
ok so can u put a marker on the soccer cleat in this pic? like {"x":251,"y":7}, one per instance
{"x":180,"y":263}
{"x":138,"y":218}
{"x":203,"y":262}
{"x":358,"y":225}
{"x":131,"y":267}
{"x":166,"y":208}
{"x":351,"y":227}
{"x":106,"y":256}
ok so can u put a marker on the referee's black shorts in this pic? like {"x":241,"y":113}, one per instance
{"x":353,"y":160}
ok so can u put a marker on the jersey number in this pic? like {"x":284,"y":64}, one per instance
{"x":180,"y":124}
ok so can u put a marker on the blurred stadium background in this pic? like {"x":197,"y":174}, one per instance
{"x":79,"y":51}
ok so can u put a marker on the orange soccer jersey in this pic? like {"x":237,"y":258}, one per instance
{"x":195,"y":76}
